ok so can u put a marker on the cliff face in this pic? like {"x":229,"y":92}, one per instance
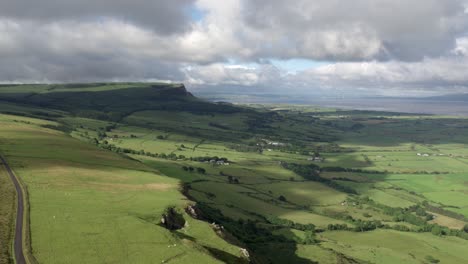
{"x":114,"y":101}
{"x":178,"y":90}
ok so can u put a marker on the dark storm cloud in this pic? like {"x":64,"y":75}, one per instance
{"x":163,"y":16}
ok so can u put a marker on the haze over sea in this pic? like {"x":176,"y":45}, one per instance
{"x":423,"y":106}
{"x":451,"y":107}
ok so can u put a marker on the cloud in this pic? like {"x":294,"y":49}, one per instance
{"x":162,"y":16}
{"x":369,"y":45}
{"x":430,"y":76}
{"x":228,"y":74}
{"x":82,"y":51}
{"x":360,"y":29}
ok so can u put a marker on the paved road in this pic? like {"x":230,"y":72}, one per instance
{"x":18,"y":244}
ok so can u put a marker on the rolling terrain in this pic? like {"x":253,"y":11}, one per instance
{"x":102,"y":164}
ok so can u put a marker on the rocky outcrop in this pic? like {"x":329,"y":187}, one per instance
{"x":194,"y":212}
{"x":172,"y":219}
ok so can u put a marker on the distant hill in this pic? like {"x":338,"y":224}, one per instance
{"x":451,"y":97}
{"x":110,"y":101}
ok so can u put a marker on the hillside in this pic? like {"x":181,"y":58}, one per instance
{"x":104,"y":163}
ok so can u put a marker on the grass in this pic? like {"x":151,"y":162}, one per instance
{"x":7,"y":216}
{"x":93,"y":197}
{"x":82,"y":195}
{"x":448,"y":221}
{"x":385,"y":246}
{"x":305,"y":193}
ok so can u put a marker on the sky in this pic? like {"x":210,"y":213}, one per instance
{"x":359,"y":47}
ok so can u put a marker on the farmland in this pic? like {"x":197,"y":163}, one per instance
{"x":89,"y":197}
{"x":296,"y":183}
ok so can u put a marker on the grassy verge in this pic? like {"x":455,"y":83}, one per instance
{"x":7,"y":216}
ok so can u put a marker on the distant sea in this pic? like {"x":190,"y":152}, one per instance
{"x":437,"y":106}
{"x":422,"y":106}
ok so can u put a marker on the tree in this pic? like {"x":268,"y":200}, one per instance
{"x":282,"y":198}
{"x":201,"y":170}
{"x":309,"y":237}
{"x":185,"y":168}
{"x":465,"y":228}
{"x":191,"y":169}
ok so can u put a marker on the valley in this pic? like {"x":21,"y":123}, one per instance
{"x":262,"y":183}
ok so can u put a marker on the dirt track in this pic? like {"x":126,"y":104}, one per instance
{"x":18,"y":243}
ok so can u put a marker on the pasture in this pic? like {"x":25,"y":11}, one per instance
{"x":92,"y":197}
{"x":296,"y":183}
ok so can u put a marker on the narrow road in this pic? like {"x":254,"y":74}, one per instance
{"x":18,"y":243}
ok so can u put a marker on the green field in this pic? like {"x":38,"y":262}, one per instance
{"x":90,"y":197}
{"x":297,"y":184}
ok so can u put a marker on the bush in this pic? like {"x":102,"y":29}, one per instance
{"x":437,"y":230}
{"x":431,"y":259}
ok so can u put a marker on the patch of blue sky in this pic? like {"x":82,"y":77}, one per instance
{"x":297,"y":65}
{"x":195,"y":13}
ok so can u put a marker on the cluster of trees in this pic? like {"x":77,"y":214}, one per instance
{"x":289,"y":224}
{"x":423,"y":172}
{"x":359,"y":225}
{"x":171,"y":156}
{"x":192,"y":169}
{"x":282,"y":198}
{"x":338,"y":227}
{"x":341,"y":169}
{"x":114,"y":148}
{"x":363,"y":226}
{"x":309,"y":229}
{"x":231,"y":179}
{"x":248,"y":231}
{"x":415,"y":215}
{"x":311,"y":172}
{"x":442,"y":211}
{"x":309,"y":238}
{"x":438,"y":230}
{"x":208,"y":158}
